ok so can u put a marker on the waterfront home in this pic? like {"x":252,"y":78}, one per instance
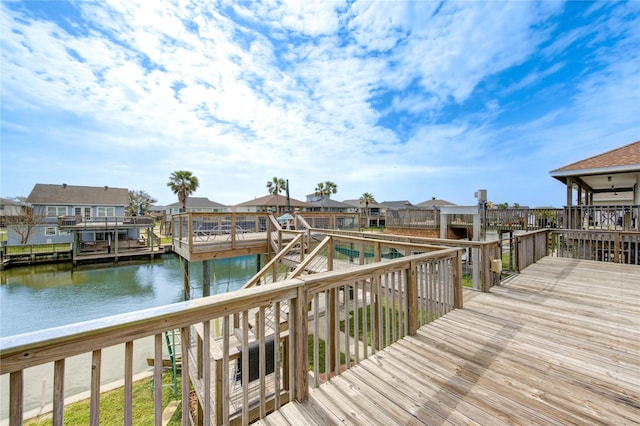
{"x":10,"y":210}
{"x":274,"y":203}
{"x":434,"y":204}
{"x":324,"y":203}
{"x":52,"y":201}
{"x":196,"y":205}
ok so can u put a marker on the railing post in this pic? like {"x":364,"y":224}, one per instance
{"x":16,"y":397}
{"x":457,"y":281}
{"x":301,"y":337}
{"x":412,"y":300}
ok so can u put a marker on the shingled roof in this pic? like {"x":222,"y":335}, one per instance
{"x":49,"y":194}
{"x":272,"y":200}
{"x":628,"y":155}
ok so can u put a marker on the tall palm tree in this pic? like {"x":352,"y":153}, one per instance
{"x":325,"y":188}
{"x":183,"y":183}
{"x":275,"y":187}
{"x":366,"y":199}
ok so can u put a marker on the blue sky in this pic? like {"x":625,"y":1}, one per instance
{"x":405,"y":100}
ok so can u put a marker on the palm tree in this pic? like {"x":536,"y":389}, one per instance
{"x":325,"y":188}
{"x":183,"y":183}
{"x":366,"y":199}
{"x":275,"y":187}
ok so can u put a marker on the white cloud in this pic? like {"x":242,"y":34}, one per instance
{"x":240,"y":92}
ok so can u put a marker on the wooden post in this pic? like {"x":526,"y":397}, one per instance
{"x":206,"y":279}
{"x":457,"y":282}
{"x":332,"y":312}
{"x":185,"y":279}
{"x":16,"y":397}
{"x":301,"y":337}
{"x":412,"y":299}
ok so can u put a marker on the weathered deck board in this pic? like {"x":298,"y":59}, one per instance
{"x":557,"y":344}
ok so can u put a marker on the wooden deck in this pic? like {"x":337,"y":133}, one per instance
{"x":558,"y":344}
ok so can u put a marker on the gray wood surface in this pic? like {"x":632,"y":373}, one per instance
{"x":557,"y":344}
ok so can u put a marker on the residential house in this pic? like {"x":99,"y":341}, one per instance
{"x":196,"y":205}
{"x":605,"y":188}
{"x":329,"y":205}
{"x":375,"y":211}
{"x":10,"y":210}
{"x":433,"y":204}
{"x":86,"y":203}
{"x":272,"y":203}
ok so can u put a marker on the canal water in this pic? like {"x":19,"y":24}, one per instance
{"x":38,"y":297}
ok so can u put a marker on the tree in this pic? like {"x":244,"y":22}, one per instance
{"x":325,"y":188}
{"x":183,"y":183}
{"x":139,"y":202}
{"x":366,"y":199}
{"x":24,"y":224}
{"x":275,"y":187}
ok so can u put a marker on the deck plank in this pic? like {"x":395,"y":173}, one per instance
{"x":557,"y":344}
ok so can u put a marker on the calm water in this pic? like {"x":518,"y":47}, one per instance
{"x":39,"y":297}
{"x":43,"y":296}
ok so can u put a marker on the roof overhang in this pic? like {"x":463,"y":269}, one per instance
{"x":604,"y":179}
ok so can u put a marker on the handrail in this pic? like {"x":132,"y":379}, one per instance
{"x":273,"y":262}
{"x":412,"y":289}
{"x":308,"y":259}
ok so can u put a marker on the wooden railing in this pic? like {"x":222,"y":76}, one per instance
{"x":345,"y":315}
{"x":604,"y":246}
{"x":605,"y":218}
{"x":81,"y":222}
{"x":477,"y":258}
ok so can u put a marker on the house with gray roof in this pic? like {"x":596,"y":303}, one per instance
{"x":328,"y":204}
{"x":434,"y":204}
{"x":274,"y":203}
{"x":51,"y":202}
{"x":196,"y":205}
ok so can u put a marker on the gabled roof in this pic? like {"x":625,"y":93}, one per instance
{"x":197,"y":202}
{"x":628,"y":155}
{"x":48,"y":194}
{"x":403,"y":204}
{"x":434,"y":203}
{"x":272,"y":200}
{"x":331,"y":203}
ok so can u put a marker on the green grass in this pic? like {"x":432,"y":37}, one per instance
{"x":321,"y":355}
{"x":112,"y":408}
{"x":360,"y":323}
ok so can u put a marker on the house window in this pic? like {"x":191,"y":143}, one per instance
{"x":106,"y":211}
{"x":55,"y":211}
{"x":50,"y":232}
{"x":83,"y":212}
